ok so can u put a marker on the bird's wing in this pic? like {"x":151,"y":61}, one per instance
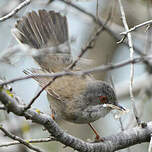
{"x":65,"y":87}
{"x":42,"y":81}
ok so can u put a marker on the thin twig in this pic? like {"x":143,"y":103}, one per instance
{"x":130,"y":43}
{"x":14,"y":11}
{"x":77,"y":8}
{"x":136,"y":27}
{"x":149,"y":29}
{"x":121,"y":124}
{"x":97,"y":8}
{"x":42,"y":140}
{"x":90,"y":43}
{"x":83,"y":72}
{"x":39,"y":93}
{"x":22,"y":141}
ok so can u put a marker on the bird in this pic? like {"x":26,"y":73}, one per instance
{"x":77,"y":99}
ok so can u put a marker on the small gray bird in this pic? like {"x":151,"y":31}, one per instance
{"x":78,"y":99}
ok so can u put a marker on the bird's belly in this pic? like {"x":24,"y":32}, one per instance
{"x":84,"y":117}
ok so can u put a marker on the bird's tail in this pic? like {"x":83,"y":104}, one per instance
{"x":42,"y":29}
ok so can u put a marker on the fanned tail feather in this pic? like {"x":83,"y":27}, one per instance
{"x":42,"y":29}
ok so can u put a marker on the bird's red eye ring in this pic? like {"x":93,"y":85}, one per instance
{"x":103,"y":99}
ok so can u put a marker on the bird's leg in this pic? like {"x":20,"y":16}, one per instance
{"x":98,"y":138}
{"x":53,"y":114}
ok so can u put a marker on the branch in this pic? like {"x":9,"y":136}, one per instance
{"x":130,"y":43}
{"x":14,"y":11}
{"x":84,"y":72}
{"x":42,"y":140}
{"x":112,"y":143}
{"x":136,"y":27}
{"x":24,"y":142}
{"x":39,"y":93}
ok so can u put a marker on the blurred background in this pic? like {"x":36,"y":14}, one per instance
{"x":105,"y":51}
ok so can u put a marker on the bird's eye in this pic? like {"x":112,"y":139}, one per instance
{"x":103,"y":99}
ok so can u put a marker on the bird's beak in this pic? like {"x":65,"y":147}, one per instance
{"x":121,"y":108}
